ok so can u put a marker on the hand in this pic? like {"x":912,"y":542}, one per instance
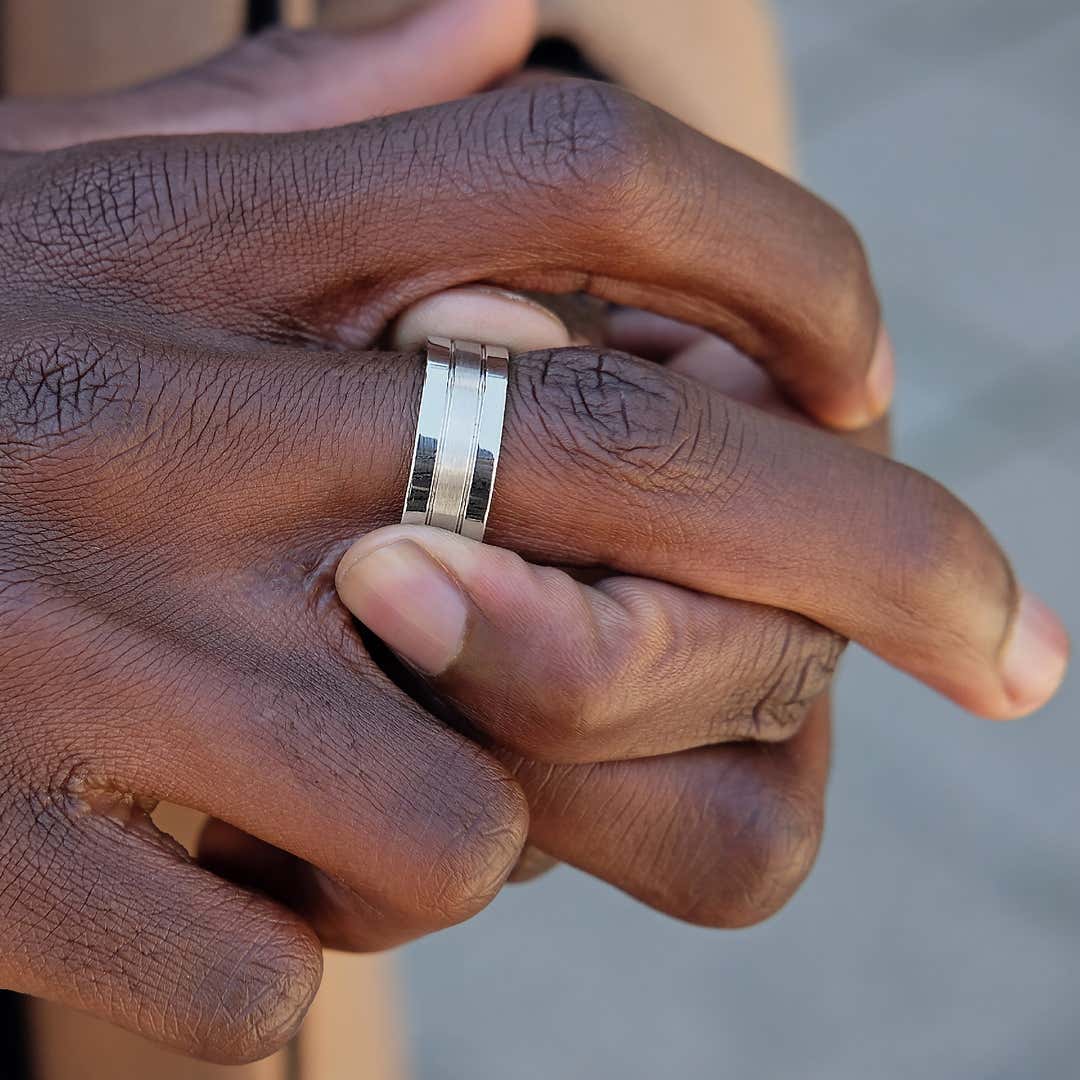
{"x":181,"y":479}
{"x":723,"y":837}
{"x":278,"y":79}
{"x":565,"y":673}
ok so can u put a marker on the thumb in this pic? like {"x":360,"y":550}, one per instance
{"x":288,"y":80}
{"x":557,"y":669}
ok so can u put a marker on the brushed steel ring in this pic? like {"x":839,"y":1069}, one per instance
{"x":458,"y":436}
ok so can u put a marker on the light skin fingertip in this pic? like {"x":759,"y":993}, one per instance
{"x":852,"y":417}
{"x":881,"y":376}
{"x":1035,"y":657}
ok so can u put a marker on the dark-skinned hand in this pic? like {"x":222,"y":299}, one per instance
{"x":195,"y":429}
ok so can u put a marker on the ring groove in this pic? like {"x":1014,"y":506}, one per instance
{"x":458,"y":436}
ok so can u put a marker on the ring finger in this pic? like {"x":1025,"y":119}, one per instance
{"x":720,"y":836}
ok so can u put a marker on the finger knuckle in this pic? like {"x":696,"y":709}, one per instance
{"x":780,"y":849}
{"x":256,"y":995}
{"x":806,"y":660}
{"x":593,"y":135}
{"x":480,"y":841}
{"x":598,"y":709}
{"x":617,"y":417}
{"x":446,"y":820}
{"x":573,"y":723}
{"x":57,"y":385}
{"x":89,"y":212}
{"x":761,"y":866}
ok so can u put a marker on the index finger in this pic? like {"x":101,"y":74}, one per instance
{"x":656,"y":475}
{"x":560,"y":186}
{"x":614,"y":462}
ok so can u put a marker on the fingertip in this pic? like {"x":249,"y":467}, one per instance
{"x":406,"y":598}
{"x":1035,"y":657}
{"x":481,"y":313}
{"x":881,"y":376}
{"x":450,"y":549}
{"x":864,"y":402}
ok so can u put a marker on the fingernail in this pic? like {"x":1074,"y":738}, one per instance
{"x":1036,"y":654}
{"x":407,"y":599}
{"x":881,"y":376}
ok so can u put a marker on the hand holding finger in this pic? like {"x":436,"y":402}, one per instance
{"x":181,"y":483}
{"x":563,"y":671}
{"x":582,"y":179}
{"x":655,"y":476}
{"x":721,"y":835}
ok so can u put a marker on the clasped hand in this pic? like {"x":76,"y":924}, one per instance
{"x":197,"y":422}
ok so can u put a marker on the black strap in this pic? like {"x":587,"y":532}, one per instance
{"x":14,"y":1053}
{"x":559,"y":54}
{"x":261,"y":14}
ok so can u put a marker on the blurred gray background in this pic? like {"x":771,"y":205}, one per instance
{"x":939,"y":935}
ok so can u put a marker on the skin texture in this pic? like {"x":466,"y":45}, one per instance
{"x":731,"y":832}
{"x":195,"y":426}
{"x":581,"y":173}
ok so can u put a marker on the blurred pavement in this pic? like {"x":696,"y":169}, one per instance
{"x":939,"y":936}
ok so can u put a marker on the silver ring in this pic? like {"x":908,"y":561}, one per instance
{"x":458,"y":436}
